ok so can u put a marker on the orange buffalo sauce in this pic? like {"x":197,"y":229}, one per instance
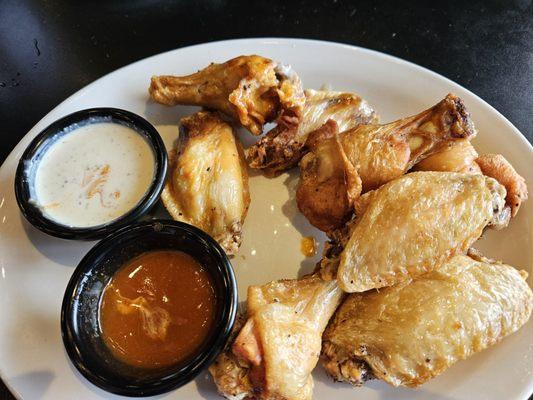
{"x":308,"y":246}
{"x":157,"y":309}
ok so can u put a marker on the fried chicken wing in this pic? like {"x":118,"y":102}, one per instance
{"x":497,"y":167}
{"x":232,"y":377}
{"x":460,"y":156}
{"x":329,"y":184}
{"x":282,"y":147}
{"x":250,"y":89}
{"x":414,"y":224}
{"x":279,"y":345}
{"x":208,"y":183}
{"x":381,"y":153}
{"x":412,"y":332}
{"x":456,"y":156}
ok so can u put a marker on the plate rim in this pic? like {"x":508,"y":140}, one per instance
{"x":282,"y":41}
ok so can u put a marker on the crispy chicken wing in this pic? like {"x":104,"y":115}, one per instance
{"x":455,"y":156}
{"x":251,"y":89}
{"x":208,"y":182}
{"x":231,"y":376}
{"x":497,"y":167}
{"x":460,"y":156}
{"x":282,"y":147}
{"x":411,"y":332}
{"x":328,"y":184}
{"x":278,"y":347}
{"x":381,"y":153}
{"x":414,"y":224}
{"x":376,"y":154}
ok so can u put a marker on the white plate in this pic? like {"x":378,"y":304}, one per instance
{"x":35,"y":268}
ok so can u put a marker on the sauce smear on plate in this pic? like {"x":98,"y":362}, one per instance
{"x":157,"y":309}
{"x":308,"y":246}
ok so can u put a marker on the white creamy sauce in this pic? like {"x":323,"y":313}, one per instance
{"x":94,"y":174}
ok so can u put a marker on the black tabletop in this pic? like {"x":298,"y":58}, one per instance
{"x":50,"y":49}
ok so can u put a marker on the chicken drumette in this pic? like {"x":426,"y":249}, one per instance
{"x":329,"y":184}
{"x":381,"y":153}
{"x":282,"y":147}
{"x":252,"y":90}
{"x":374,"y":154}
{"x":279,"y":345}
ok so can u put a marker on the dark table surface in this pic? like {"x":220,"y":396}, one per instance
{"x":50,"y":49}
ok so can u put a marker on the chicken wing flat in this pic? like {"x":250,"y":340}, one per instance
{"x":282,"y":147}
{"x":460,"y":156}
{"x":497,"y":167}
{"x":250,"y":89}
{"x":208,"y":182}
{"x":279,"y":345}
{"x":381,"y":153}
{"x":329,"y":184}
{"x":409,"y":333}
{"x":415,"y":224}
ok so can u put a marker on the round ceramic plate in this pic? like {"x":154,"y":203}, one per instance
{"x":35,"y":268}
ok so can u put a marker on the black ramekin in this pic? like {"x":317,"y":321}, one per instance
{"x":31,"y":157}
{"x":80,"y":310}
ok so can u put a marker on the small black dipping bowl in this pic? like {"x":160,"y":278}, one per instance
{"x":80,"y":310}
{"x":29,"y":162}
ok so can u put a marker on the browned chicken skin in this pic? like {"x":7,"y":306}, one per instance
{"x":497,"y":167}
{"x":460,"y":156}
{"x":381,"y":153}
{"x":282,"y":147}
{"x":207,"y":184}
{"x":343,"y":152}
{"x":456,"y":156}
{"x":414,"y":224}
{"x":411,"y":332}
{"x":231,"y":376}
{"x":277,"y":348}
{"x":250,"y":89}
{"x":329,"y":184}
{"x":371,"y":155}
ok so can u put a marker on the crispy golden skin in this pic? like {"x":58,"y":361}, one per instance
{"x":456,"y":156}
{"x":251,"y":89}
{"x":280,"y":343}
{"x":381,"y":153}
{"x":414,"y":224}
{"x":328,"y":184}
{"x":372,"y":155}
{"x":282,"y":147}
{"x":410,"y":333}
{"x":460,"y":156}
{"x":232,"y":377}
{"x":497,"y":167}
{"x":208,"y":183}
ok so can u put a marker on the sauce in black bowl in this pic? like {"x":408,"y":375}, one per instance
{"x":90,"y":173}
{"x":80,"y":314}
